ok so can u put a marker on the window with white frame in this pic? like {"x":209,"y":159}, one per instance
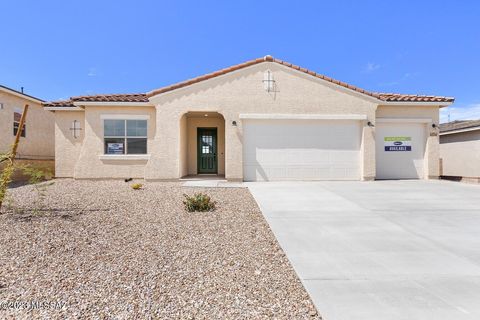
{"x":125,"y":136}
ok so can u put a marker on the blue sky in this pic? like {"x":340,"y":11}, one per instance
{"x":58,"y":49}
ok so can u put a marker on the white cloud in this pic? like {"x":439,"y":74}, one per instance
{"x":469,"y":112}
{"x":92,"y":72}
{"x":371,"y":66}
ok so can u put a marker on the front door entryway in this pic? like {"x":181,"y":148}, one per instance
{"x":207,"y":150}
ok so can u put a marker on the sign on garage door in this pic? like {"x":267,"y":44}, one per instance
{"x":400,"y":150}
{"x":398,"y":143}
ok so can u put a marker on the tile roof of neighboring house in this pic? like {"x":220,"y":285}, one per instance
{"x":388,"y":97}
{"x":459,"y":125}
{"x":20,"y":93}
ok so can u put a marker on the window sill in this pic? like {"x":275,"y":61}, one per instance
{"x":124,"y":157}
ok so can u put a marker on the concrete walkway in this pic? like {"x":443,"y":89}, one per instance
{"x":381,"y":250}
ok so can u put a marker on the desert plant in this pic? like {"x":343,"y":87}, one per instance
{"x":137,"y":186}
{"x":35,"y":176}
{"x":198,"y":202}
{"x":5,"y":176}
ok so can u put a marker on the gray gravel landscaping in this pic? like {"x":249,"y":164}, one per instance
{"x":99,"y":249}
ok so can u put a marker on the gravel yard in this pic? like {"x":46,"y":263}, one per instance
{"x":105,"y":250}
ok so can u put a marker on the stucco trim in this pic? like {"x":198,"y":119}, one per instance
{"x":411,"y":120}
{"x":112,"y":104}
{"x":273,"y":116}
{"x":125,"y":116}
{"x":124,"y":157}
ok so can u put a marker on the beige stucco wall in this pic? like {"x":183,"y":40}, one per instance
{"x":183,"y":157}
{"x":80,"y":158}
{"x":39,"y":141}
{"x":242,"y":91}
{"x":431,"y":158}
{"x":67,"y":148}
{"x":192,"y":125}
{"x":89,"y":164}
{"x":460,"y":154}
{"x":172,"y":133}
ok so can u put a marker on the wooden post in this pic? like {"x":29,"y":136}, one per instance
{"x":7,"y":172}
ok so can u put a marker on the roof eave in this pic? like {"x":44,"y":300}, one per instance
{"x":63,"y":109}
{"x":20,"y":94}
{"x":440,"y":104}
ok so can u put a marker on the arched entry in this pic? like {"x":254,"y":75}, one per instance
{"x":202,"y":143}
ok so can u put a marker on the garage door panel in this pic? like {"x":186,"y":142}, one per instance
{"x":298,"y":173}
{"x":301,"y":150}
{"x":400,"y":164}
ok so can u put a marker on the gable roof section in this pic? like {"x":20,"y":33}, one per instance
{"x":142,"y":97}
{"x":380,"y":96}
{"x":20,"y":94}
{"x":459,"y":125}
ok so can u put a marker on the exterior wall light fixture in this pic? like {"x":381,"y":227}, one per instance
{"x":370,"y":124}
{"x":268,"y":81}
{"x":234,"y":123}
{"x":75,"y":127}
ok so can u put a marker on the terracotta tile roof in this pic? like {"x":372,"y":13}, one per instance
{"x":141,"y":97}
{"x":134,"y":97}
{"x":61,"y":103}
{"x":459,"y":125}
{"x":412,"y":97}
{"x":378,"y":95}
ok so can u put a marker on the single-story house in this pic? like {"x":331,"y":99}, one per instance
{"x":37,"y":142}
{"x":460,"y":150}
{"x":264,"y":119}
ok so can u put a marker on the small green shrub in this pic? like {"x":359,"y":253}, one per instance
{"x":137,"y":186}
{"x":198,"y":202}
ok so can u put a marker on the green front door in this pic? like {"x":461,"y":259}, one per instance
{"x":207,"y":150}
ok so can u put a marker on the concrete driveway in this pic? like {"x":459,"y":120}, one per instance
{"x":380,"y":250}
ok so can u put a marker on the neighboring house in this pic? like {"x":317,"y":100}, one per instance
{"x":460,"y":150}
{"x":264,"y":119}
{"x":37,"y":143}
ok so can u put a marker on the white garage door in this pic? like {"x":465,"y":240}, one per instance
{"x":301,"y":150}
{"x":400,"y":150}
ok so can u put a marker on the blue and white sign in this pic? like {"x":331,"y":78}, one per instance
{"x":114,"y":148}
{"x":398,"y":143}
